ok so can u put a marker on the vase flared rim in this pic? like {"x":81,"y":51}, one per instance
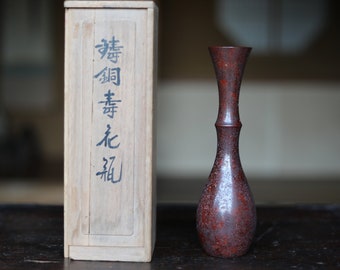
{"x":229,"y":47}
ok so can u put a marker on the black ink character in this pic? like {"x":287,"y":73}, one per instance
{"x":110,"y":105}
{"x":109,"y":49}
{"x":109,"y":75}
{"x":108,"y":173}
{"x":107,"y":141}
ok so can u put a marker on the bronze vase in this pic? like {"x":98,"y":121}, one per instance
{"x":226,"y":213}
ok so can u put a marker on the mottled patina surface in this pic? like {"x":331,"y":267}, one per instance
{"x":226,"y":214}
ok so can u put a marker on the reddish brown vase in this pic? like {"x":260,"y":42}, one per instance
{"x":226,"y":214}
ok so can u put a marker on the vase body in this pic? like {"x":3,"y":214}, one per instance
{"x":226,"y":213}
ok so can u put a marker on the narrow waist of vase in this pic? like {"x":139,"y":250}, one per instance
{"x":223,"y":125}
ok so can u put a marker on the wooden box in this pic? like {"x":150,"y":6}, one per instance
{"x":110,"y":71}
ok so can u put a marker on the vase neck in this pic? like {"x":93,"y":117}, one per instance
{"x":228,"y":110}
{"x":227,"y":162}
{"x":228,"y":140}
{"x":229,"y":63}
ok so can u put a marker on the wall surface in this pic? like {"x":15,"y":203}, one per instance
{"x":290,"y":128}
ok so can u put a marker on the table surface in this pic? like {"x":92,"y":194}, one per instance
{"x":287,"y":237}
